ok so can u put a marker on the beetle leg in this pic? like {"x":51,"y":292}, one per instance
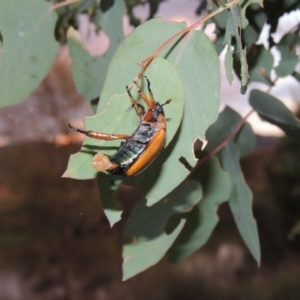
{"x":101,"y":136}
{"x":137,"y":108}
{"x":150,"y":102}
{"x":149,"y":90}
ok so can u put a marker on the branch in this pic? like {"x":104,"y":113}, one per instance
{"x":146,"y":62}
{"x":67,"y":2}
{"x":231,"y":135}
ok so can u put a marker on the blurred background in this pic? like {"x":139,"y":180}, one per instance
{"x":55,"y":242}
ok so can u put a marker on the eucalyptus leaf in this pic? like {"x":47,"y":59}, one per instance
{"x":28,"y":47}
{"x":233,"y":29}
{"x":287,"y":47}
{"x":202,"y":220}
{"x":145,"y":241}
{"x":198,"y":81}
{"x":252,"y":31}
{"x":260,"y":62}
{"x":246,"y":5}
{"x":221,"y":129}
{"x":229,"y":64}
{"x":89,"y":72}
{"x":296,"y":75}
{"x":112,"y":208}
{"x":240,"y":201}
{"x":272,"y":110}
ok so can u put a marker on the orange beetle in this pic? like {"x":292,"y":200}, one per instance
{"x":140,"y":148}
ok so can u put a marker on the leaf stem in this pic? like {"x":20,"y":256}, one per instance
{"x":67,"y":2}
{"x":146,"y":62}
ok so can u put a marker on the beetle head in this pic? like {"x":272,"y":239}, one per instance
{"x":159,"y":110}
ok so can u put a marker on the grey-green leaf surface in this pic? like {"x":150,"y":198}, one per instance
{"x":28,"y":49}
{"x":253,"y":29}
{"x":145,"y":241}
{"x":89,"y":72}
{"x":220,"y":130}
{"x":229,"y":64}
{"x":202,"y":220}
{"x":233,"y":27}
{"x":274,"y":111}
{"x":198,"y":83}
{"x":120,"y":117}
{"x":112,"y":208}
{"x":287,"y":47}
{"x":240,"y":201}
{"x":296,"y":75}
{"x":245,"y":5}
{"x":260,"y":61}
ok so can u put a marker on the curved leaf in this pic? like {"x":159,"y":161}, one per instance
{"x":287,"y":47}
{"x":197,"y":63}
{"x":89,"y":72}
{"x":202,"y":220}
{"x":220,"y":130}
{"x":240,"y":201}
{"x":260,"y":62}
{"x":145,"y":241}
{"x":274,"y":111}
{"x":119,"y":116}
{"x":28,"y":47}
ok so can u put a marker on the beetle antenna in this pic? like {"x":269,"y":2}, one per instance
{"x":167,"y":102}
{"x":148,"y":84}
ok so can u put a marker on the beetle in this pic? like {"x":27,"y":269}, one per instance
{"x":142,"y":146}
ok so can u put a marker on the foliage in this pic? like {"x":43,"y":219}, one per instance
{"x":181,"y":194}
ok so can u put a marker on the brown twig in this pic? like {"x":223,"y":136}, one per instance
{"x":67,"y":2}
{"x":231,"y":135}
{"x":227,"y":139}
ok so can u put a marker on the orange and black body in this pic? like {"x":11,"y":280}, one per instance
{"x":140,"y":148}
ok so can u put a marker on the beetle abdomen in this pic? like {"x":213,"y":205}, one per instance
{"x":126,"y":156}
{"x":133,"y":147}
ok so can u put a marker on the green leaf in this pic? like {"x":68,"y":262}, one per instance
{"x":89,"y":72}
{"x":221,"y":18}
{"x":233,"y":27}
{"x":219,"y":44}
{"x":245,"y":22}
{"x":240,"y":201}
{"x":220,"y":130}
{"x":145,"y":241}
{"x":296,"y":75}
{"x":287,"y":47}
{"x":199,"y":70}
{"x":260,"y":61}
{"x":241,"y":145}
{"x":120,"y":117}
{"x":251,"y":33}
{"x":275,"y":112}
{"x":112,"y":208}
{"x":229,"y":64}
{"x":28,"y":47}
{"x":202,"y":220}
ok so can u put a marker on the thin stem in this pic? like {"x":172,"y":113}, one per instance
{"x":68,"y":2}
{"x":231,"y":135}
{"x":146,"y":62}
{"x":227,"y":139}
